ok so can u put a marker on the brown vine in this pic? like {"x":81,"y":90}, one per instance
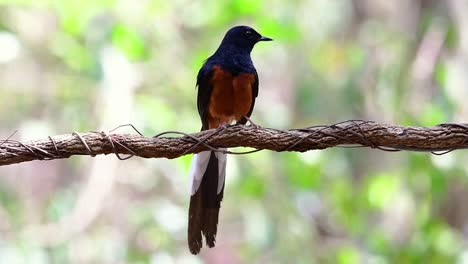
{"x":439,"y":139}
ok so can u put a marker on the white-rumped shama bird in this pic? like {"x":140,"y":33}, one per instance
{"x":227,"y":87}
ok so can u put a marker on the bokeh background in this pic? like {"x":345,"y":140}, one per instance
{"x":93,"y":65}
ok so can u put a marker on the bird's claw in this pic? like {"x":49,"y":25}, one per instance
{"x":252,"y":123}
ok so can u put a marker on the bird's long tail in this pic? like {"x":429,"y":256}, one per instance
{"x":207,"y":173}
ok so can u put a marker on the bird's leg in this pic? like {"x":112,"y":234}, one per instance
{"x":223,"y":125}
{"x":252,"y":122}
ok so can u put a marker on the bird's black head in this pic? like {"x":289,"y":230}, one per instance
{"x":243,"y":37}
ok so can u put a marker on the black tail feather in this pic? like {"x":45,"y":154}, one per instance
{"x":204,"y":209}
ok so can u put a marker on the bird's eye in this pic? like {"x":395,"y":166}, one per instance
{"x":248,"y":32}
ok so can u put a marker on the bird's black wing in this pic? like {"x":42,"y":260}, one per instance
{"x":254,"y":92}
{"x":205,"y":89}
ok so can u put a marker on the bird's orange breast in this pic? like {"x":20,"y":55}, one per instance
{"x":231,"y":97}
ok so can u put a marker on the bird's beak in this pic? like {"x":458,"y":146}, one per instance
{"x":263,"y":38}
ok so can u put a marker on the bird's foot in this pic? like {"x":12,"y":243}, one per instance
{"x":223,"y":126}
{"x":252,"y":123}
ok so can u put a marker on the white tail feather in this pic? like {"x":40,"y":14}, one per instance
{"x":222,"y":157}
{"x":198,"y":168}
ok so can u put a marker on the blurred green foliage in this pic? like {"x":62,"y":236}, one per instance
{"x":88,"y":65}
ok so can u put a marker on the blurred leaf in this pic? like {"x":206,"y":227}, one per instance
{"x":75,"y":15}
{"x":72,"y":52}
{"x":237,"y":9}
{"x":440,"y":74}
{"x":452,"y":38}
{"x":135,"y":255}
{"x":445,"y":241}
{"x":184,"y":162}
{"x":432,"y":115}
{"x":381,"y":189}
{"x":379,"y":242}
{"x":197,"y":59}
{"x":346,"y":205}
{"x":60,"y":204}
{"x":300,"y":174}
{"x":443,"y":244}
{"x":60,"y":254}
{"x":12,"y":205}
{"x":252,"y":185}
{"x":245,"y":7}
{"x":158,"y":112}
{"x":328,"y":58}
{"x":347,"y":255}
{"x":438,"y":182}
{"x":129,"y":42}
{"x":283,"y":31}
{"x":355,"y":56}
